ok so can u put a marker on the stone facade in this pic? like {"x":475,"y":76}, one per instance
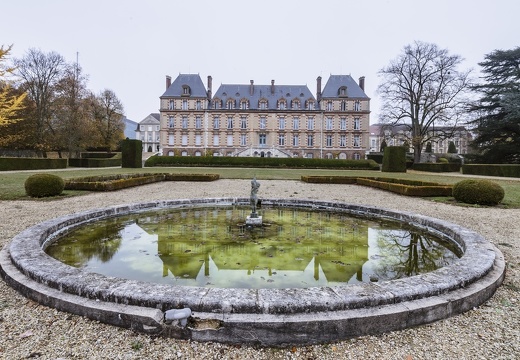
{"x":265,"y":120}
{"x":148,"y":131}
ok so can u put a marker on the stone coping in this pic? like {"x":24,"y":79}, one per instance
{"x":27,"y":255}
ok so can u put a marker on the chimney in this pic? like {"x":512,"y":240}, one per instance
{"x":210,"y":84}
{"x":318,"y":88}
{"x":252,"y":88}
{"x":168,"y":81}
{"x":272,"y":87}
{"x":362,"y":83}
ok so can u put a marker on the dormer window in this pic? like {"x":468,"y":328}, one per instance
{"x":295,"y":104}
{"x":310,"y":105}
{"x":244,"y":104}
{"x":186,"y":91}
{"x":262,"y":104}
{"x":217,"y":104}
{"x":282,"y":104}
{"x":342,"y":91}
{"x":230,"y":104}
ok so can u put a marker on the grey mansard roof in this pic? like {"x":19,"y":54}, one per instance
{"x":243,"y":91}
{"x":337,"y":81}
{"x":192,"y":80}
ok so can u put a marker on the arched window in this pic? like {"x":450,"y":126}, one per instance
{"x":230,"y":104}
{"x":217,"y":103}
{"x":295,"y":104}
{"x":282,"y":104}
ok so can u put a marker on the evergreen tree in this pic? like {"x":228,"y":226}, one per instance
{"x":383,"y":146}
{"x":452,"y":149}
{"x":498,"y":111}
{"x":428,"y":147}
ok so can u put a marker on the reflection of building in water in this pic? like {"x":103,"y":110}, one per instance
{"x":296,"y":241}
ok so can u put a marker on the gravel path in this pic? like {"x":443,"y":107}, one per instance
{"x":492,"y":331}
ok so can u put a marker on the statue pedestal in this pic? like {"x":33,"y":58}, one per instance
{"x":254,"y":221}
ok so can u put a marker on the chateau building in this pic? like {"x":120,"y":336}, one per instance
{"x":265,"y":120}
{"x":148,"y":131}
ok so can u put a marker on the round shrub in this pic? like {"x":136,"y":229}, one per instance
{"x":442,"y":160}
{"x":482,"y":192}
{"x":43,"y":185}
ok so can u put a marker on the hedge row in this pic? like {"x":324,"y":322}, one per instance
{"x":95,"y":162}
{"x":117,"y":182}
{"x":505,"y":170}
{"x":437,"y":167}
{"x":399,"y":186}
{"x":260,"y":162}
{"x":16,"y":163}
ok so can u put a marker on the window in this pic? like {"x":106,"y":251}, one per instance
{"x":310,"y":105}
{"x":157,"y":128}
{"x":329,"y":106}
{"x":230,"y":140}
{"x":296,"y":140}
{"x":281,"y":123}
{"x":357,"y":105}
{"x":343,"y":124}
{"x":328,"y":123}
{"x":357,"y":124}
{"x":216,"y":122}
{"x":215,"y":140}
{"x":184,"y":122}
{"x":157,"y":138}
{"x":282,"y":105}
{"x":230,"y":104}
{"x":198,"y":140}
{"x":309,"y":156}
{"x":141,"y":127}
{"x":262,"y":139}
{"x":198,"y":153}
{"x":244,"y":105}
{"x":184,"y":104}
{"x":185,"y":90}
{"x":281,"y":139}
{"x":184,"y":140}
{"x":184,"y":153}
{"x":357,"y":141}
{"x":149,"y":138}
{"x":198,"y":122}
{"x":328,"y":141}
{"x":171,"y":104}
{"x":263,"y":105}
{"x":230,"y":122}
{"x":171,"y":153}
{"x":310,"y":140}
{"x":262,"y":122}
{"x":310,"y":123}
{"x":295,"y":104}
{"x":343,"y":140}
{"x":357,"y":156}
{"x":198,"y":105}
{"x":243,"y":122}
{"x":296,"y":123}
{"x":170,"y":139}
{"x":171,"y":122}
{"x":343,"y":105}
{"x":217,"y":104}
{"x":243,"y":139}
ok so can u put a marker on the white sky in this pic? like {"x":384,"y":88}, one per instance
{"x":130,"y":46}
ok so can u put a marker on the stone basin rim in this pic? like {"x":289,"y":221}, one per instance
{"x":27,"y":254}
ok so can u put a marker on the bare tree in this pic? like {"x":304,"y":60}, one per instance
{"x":420,"y":88}
{"x":40,"y":72}
{"x":70,"y":122}
{"x":107,"y":114}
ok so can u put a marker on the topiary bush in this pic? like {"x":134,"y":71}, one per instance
{"x":394,"y":159}
{"x":482,"y":192}
{"x":44,"y":185}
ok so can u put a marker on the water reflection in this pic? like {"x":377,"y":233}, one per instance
{"x":213,"y":248}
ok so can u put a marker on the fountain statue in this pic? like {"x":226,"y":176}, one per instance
{"x":254,"y":219}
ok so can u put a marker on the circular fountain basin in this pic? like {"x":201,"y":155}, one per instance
{"x":274,"y":317}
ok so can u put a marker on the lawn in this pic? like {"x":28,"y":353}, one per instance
{"x":12,"y":183}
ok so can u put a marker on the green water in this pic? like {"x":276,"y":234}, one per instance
{"x":213,"y":248}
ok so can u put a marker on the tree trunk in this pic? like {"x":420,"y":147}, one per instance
{"x":417,"y":153}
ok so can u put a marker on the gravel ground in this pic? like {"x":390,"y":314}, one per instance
{"x":492,"y":331}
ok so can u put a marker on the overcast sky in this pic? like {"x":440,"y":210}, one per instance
{"x":130,"y":46}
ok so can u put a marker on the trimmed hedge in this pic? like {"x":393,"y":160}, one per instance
{"x":437,"y":167}
{"x":482,"y":192}
{"x":93,"y":162}
{"x":16,"y":163}
{"x":504,"y":170}
{"x":260,"y":162}
{"x":394,"y":159}
{"x":43,"y":185}
{"x":399,"y":186}
{"x":118,"y":182}
{"x":132,"y":153}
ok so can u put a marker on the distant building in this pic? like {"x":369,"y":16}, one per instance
{"x":397,"y":135}
{"x":265,"y":120}
{"x":148,"y":131}
{"x":129,"y":128}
